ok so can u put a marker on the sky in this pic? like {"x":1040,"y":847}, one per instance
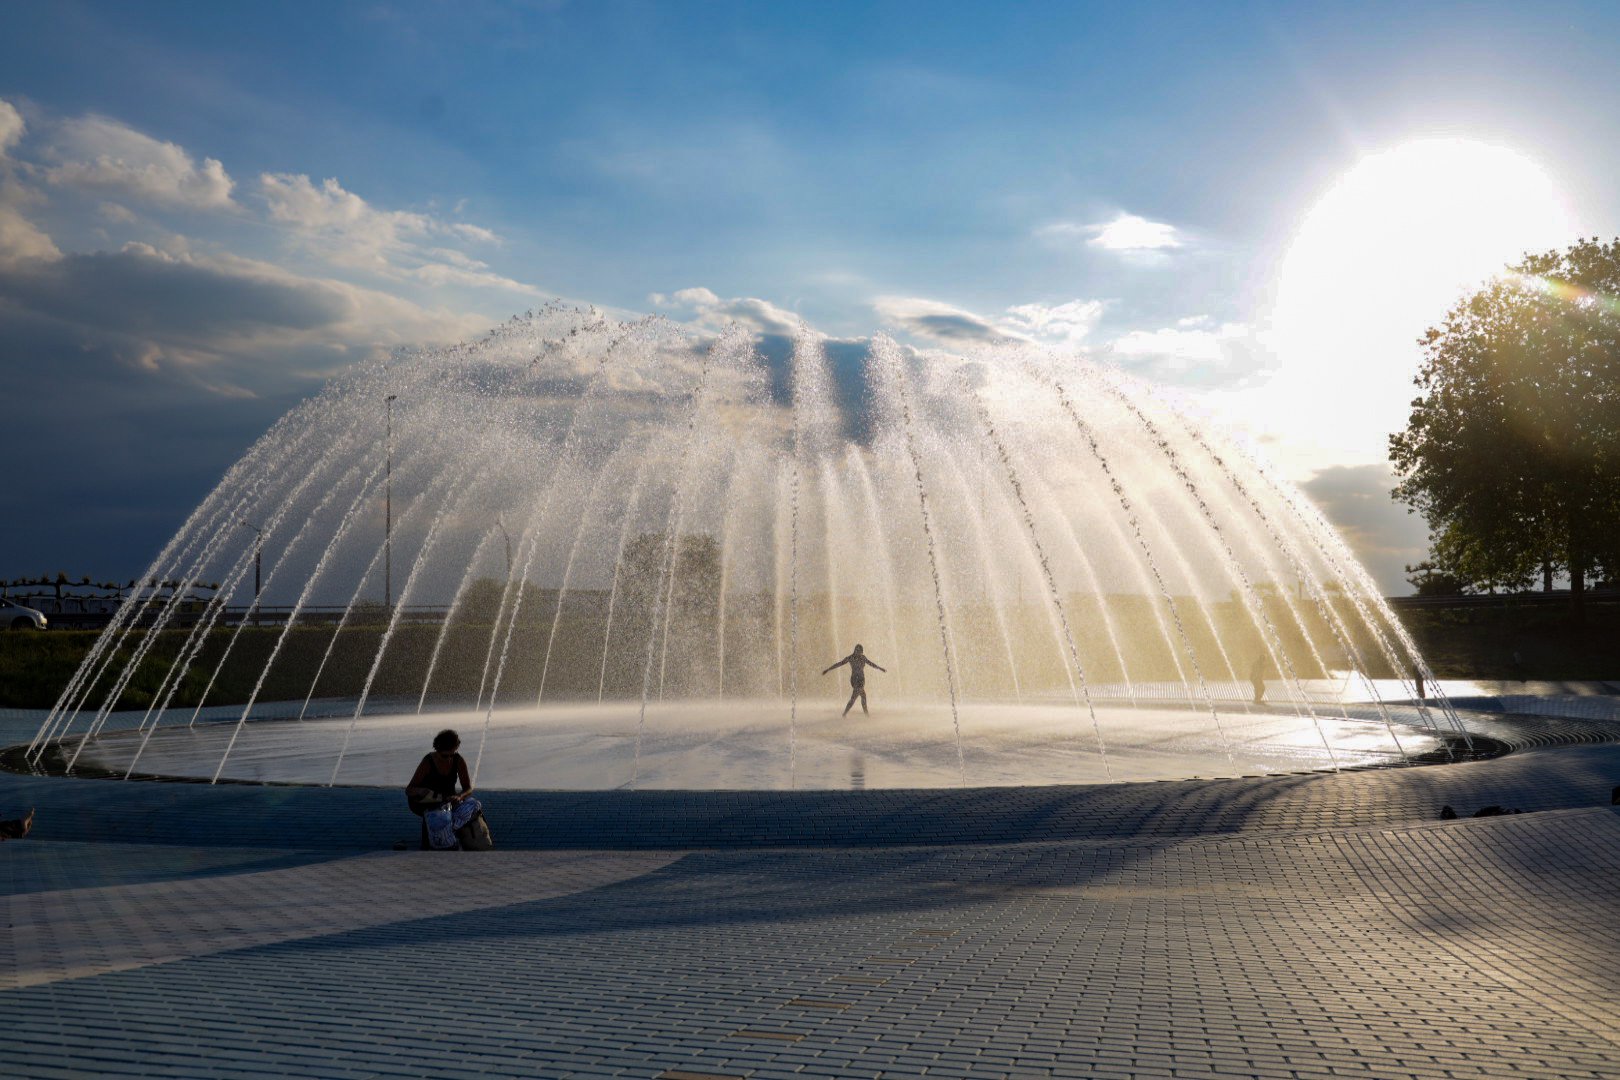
{"x":208,"y":210}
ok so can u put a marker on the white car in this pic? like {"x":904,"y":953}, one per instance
{"x":16,"y":617}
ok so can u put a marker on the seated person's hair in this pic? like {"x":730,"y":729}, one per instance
{"x":446,"y":741}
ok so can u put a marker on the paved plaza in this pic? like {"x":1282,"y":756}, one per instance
{"x":1311,"y":926}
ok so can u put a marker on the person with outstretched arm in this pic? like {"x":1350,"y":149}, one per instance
{"x":858,"y":663}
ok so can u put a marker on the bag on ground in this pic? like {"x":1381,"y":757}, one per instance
{"x":474,"y":836}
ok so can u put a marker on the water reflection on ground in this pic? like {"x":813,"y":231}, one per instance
{"x":754,"y":745}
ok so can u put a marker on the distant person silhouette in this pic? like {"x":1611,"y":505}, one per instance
{"x":1257,"y":676}
{"x":858,"y":663}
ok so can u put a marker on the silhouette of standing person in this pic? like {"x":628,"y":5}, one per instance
{"x":858,"y":663}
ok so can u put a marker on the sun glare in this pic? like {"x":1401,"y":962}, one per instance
{"x":1382,"y":255}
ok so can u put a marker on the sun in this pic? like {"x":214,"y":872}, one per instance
{"x":1392,"y":245}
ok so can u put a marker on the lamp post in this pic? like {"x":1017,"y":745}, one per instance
{"x":501,"y":525}
{"x":388,"y":519}
{"x":258,"y":553}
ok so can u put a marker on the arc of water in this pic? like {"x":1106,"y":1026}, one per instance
{"x":450,"y":613}
{"x":831,"y":504}
{"x":568,"y":571}
{"x":1178,"y":556}
{"x":287,"y":550}
{"x":1356,"y":577}
{"x":1257,"y":613}
{"x":793,"y":607}
{"x":527,"y":542}
{"x":986,"y":559}
{"x":669,"y":608}
{"x":367,"y":487}
{"x":238,"y":574}
{"x":891,"y":594}
{"x":1325,"y":611}
{"x":671,"y":525}
{"x":1150,"y":583}
{"x":618,"y":563}
{"x":210,"y":549}
{"x":100,"y":656}
{"x":779,"y":598}
{"x":884,"y":349}
{"x":129,"y":613}
{"x":354,"y":598}
{"x":58,"y":728}
{"x":1330,"y":546}
{"x":815,"y":432}
{"x":1079,"y":672}
{"x":726,"y":526}
{"x":530,"y":542}
{"x":455,"y":484}
{"x":1043,"y":494}
{"x":1124,"y":500}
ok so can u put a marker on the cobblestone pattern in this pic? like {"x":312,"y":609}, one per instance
{"x":1532,"y":900}
{"x":1356,"y":953}
{"x":70,"y":933}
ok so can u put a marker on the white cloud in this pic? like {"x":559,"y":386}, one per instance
{"x":1195,"y":351}
{"x":348,"y":231}
{"x":475,"y":232}
{"x":1127,"y":234}
{"x":1058,"y":324}
{"x":98,"y":154}
{"x":710,"y":310}
{"x":359,"y":230}
{"x":21,"y":240}
{"x":11,"y":126}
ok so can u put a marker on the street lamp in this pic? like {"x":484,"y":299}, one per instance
{"x":501,"y":525}
{"x":258,"y":554}
{"x":388,"y":520}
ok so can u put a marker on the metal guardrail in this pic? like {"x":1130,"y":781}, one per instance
{"x":331,"y":614}
{"x":1556,"y":598}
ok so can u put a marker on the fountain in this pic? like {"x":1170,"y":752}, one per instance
{"x":620,"y":554}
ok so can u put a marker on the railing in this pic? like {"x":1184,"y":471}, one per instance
{"x":373,"y":613}
{"x":1555,"y":598}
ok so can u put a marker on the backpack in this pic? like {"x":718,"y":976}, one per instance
{"x":474,"y":836}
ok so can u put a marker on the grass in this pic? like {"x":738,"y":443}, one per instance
{"x":1518,"y":642}
{"x":1506,"y":642}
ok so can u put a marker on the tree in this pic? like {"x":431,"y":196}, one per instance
{"x":1512,"y":449}
{"x":1429,"y":580}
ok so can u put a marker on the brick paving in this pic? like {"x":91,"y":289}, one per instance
{"x":1302,"y":927}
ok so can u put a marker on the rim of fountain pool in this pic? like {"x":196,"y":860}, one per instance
{"x":1493,"y":732}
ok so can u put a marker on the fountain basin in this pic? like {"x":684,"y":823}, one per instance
{"x":747,"y":745}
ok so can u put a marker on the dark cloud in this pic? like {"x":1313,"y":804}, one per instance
{"x":109,"y":442}
{"x":105,"y":461}
{"x":941,"y":322}
{"x":1356,"y":499}
{"x":140,"y":291}
{"x":846,"y":360}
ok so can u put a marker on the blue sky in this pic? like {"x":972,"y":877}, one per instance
{"x":207,"y":209}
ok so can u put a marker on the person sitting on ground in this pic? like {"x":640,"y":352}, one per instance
{"x":432,"y":791}
{"x":17,"y":828}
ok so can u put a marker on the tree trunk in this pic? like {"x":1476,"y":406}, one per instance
{"x":1577,"y":585}
{"x":1546,"y":576}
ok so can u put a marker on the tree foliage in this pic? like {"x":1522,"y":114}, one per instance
{"x":1512,"y":449}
